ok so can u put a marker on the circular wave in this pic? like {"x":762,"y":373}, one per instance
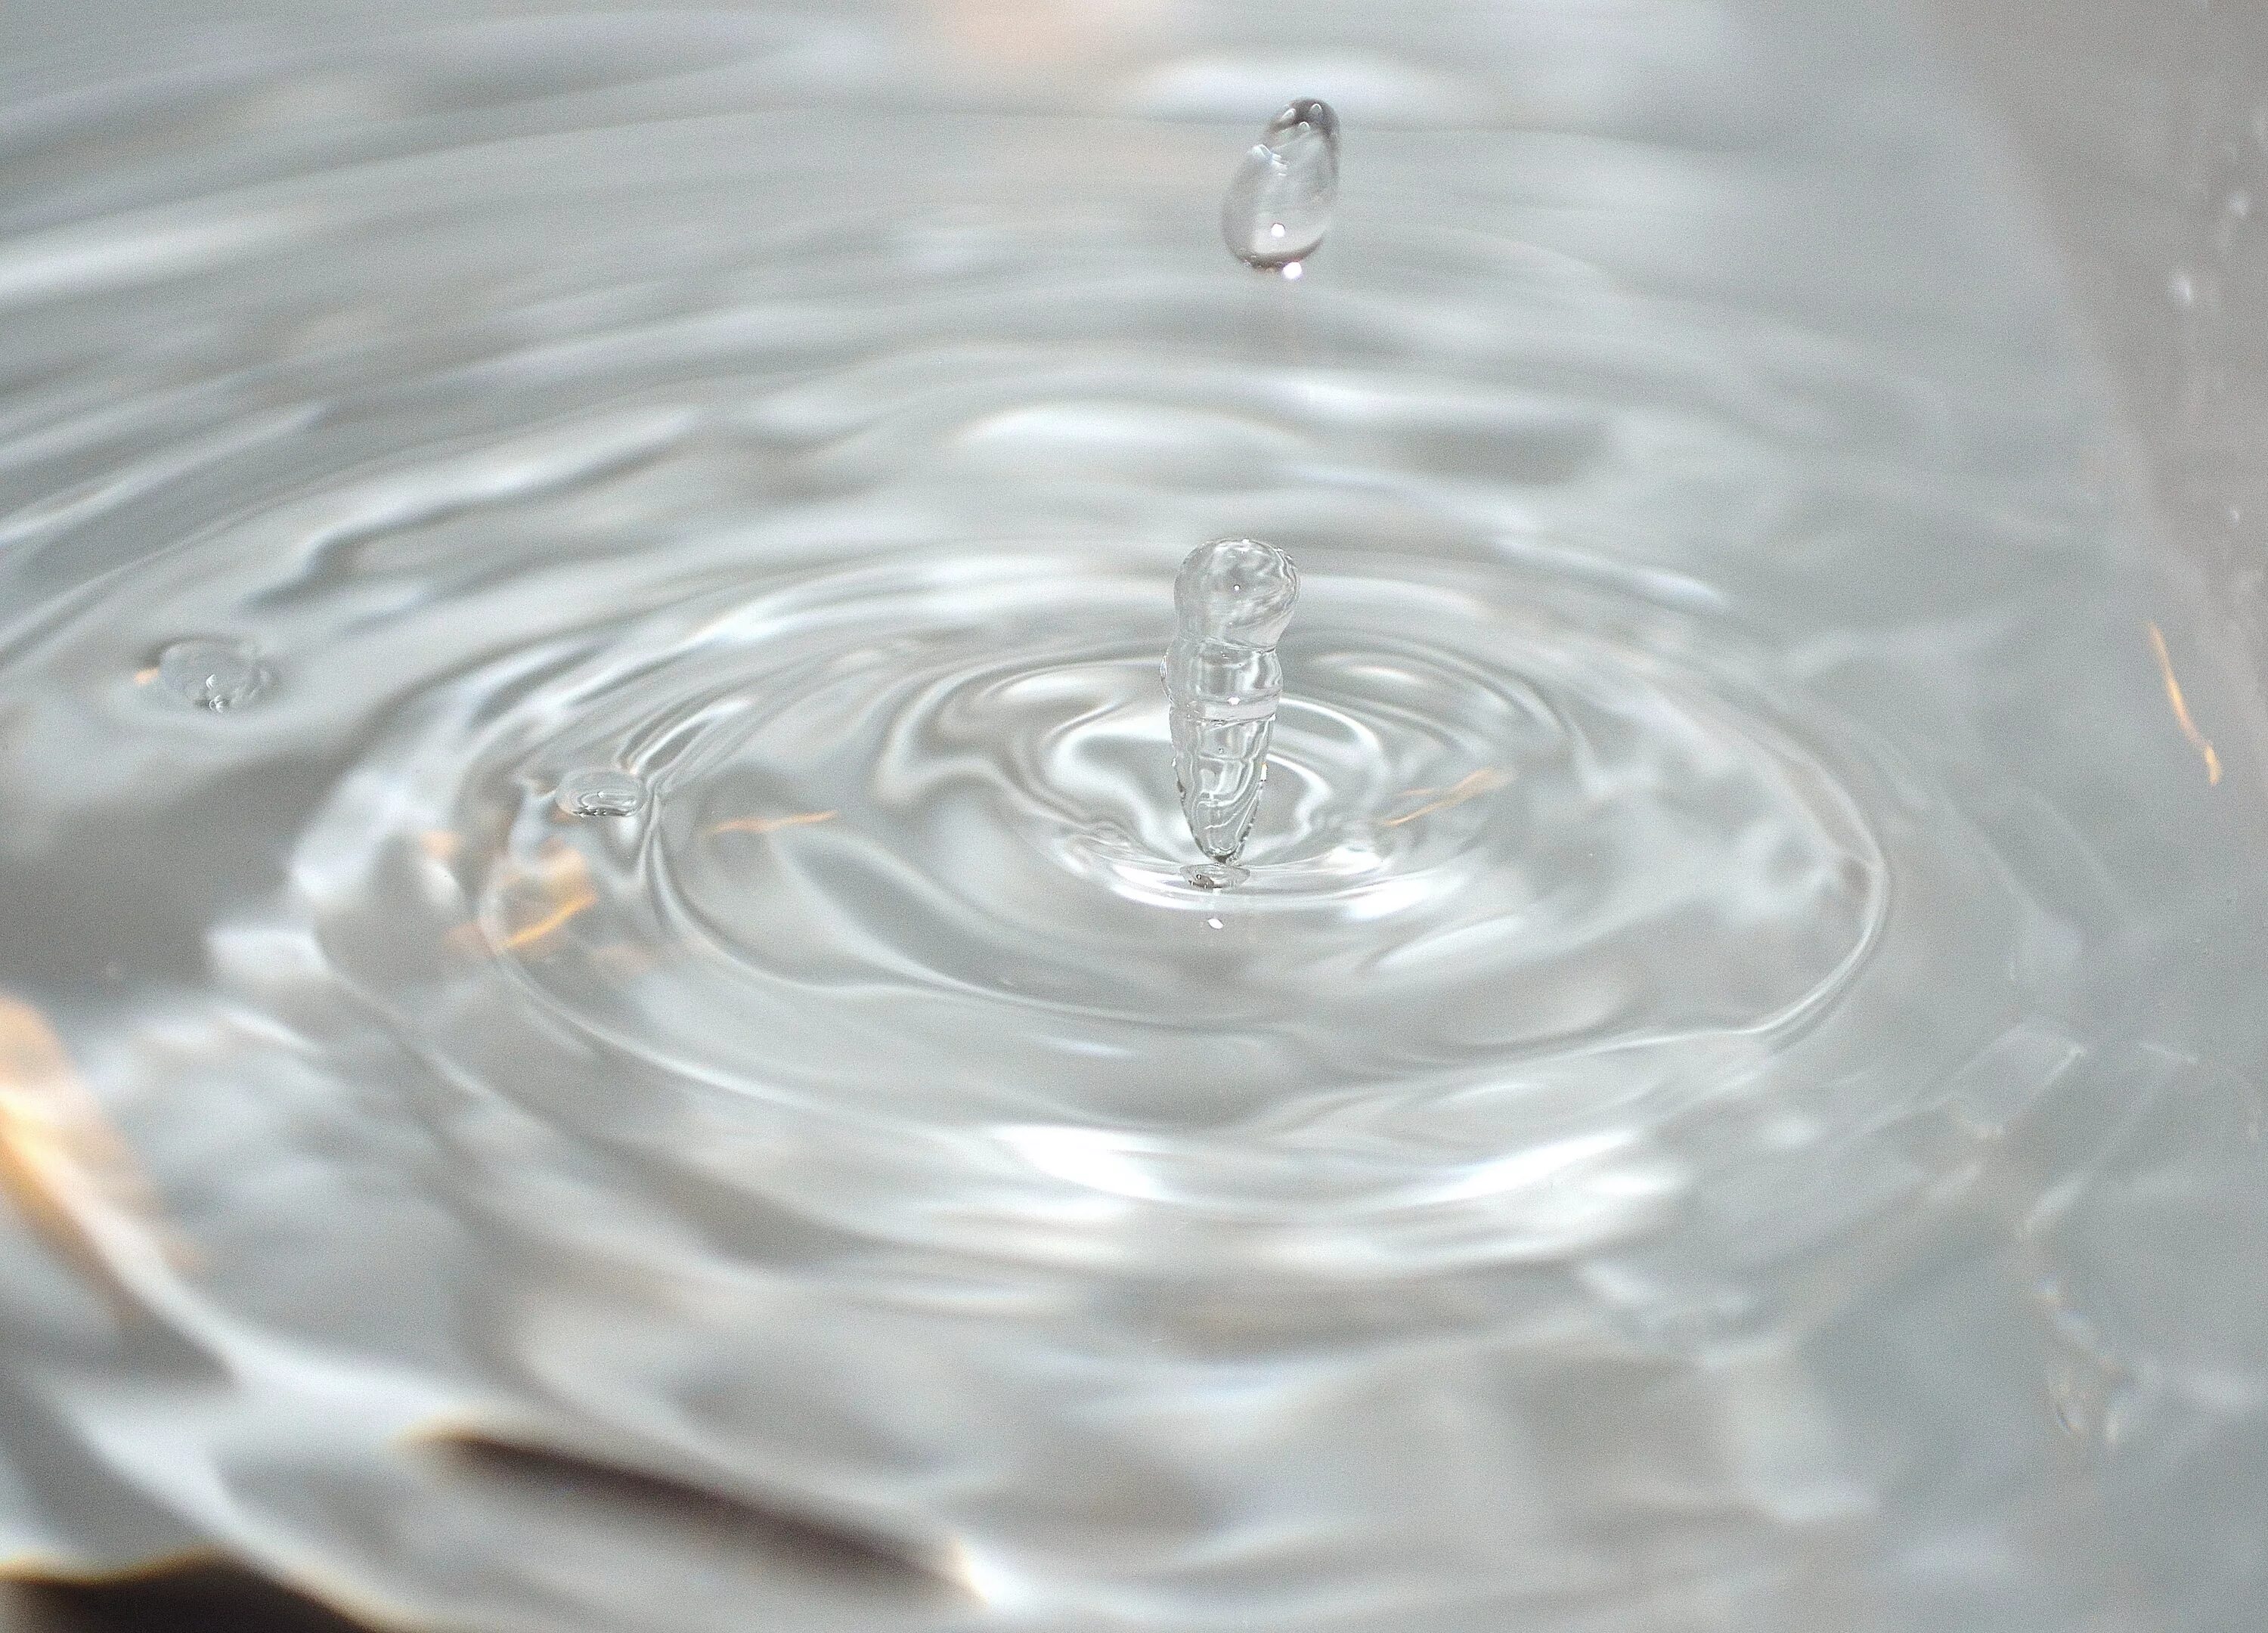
{"x":580,"y":696}
{"x":913,"y":868}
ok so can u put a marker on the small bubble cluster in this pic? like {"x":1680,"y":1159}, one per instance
{"x":600,"y":793}
{"x":213,"y":673}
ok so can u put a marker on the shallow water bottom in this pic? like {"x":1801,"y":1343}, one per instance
{"x":604,"y":1022}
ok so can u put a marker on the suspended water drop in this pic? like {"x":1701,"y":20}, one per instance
{"x":214,"y":675}
{"x":1279,"y":202}
{"x":1233,"y":598}
{"x":600,"y":793}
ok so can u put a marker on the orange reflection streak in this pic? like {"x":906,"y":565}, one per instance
{"x":62,"y":1164}
{"x":564,"y":889}
{"x":2181,"y":709}
{"x":1485,"y":780}
{"x":1037,"y":36}
{"x":771,"y":825}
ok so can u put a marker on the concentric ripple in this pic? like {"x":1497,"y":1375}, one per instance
{"x":915,"y":863}
{"x":603,"y":1025}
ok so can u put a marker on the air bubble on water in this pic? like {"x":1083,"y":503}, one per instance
{"x":600,"y":793}
{"x":211,"y":673}
{"x":1216,"y":875}
{"x":1279,"y":202}
{"x":1233,"y":598}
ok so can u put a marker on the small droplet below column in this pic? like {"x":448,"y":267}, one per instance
{"x":213,"y":674}
{"x":600,"y":793}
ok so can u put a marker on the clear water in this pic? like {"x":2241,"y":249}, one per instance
{"x":600,"y":793}
{"x":1232,"y":601}
{"x":1730,"y":1098}
{"x":1281,"y":195}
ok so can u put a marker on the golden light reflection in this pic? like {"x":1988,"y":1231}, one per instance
{"x":1486,"y":780}
{"x":63,"y":1166}
{"x":43,"y":1570}
{"x":771,"y":825}
{"x":1037,"y":36}
{"x":558,"y":889}
{"x":2181,"y":709}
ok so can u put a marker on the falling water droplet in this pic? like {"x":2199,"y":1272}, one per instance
{"x":1233,"y":598}
{"x":600,"y":793}
{"x":1279,"y":202}
{"x":214,"y":675}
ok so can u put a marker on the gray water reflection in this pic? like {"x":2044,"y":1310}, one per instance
{"x":1731,"y":1097}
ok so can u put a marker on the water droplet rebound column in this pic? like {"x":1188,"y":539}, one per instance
{"x":1233,"y":598}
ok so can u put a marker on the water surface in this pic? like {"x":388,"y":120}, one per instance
{"x":625,"y":1042}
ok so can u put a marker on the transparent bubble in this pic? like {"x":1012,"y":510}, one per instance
{"x":600,"y":793}
{"x":215,"y":674}
{"x":1233,"y":598}
{"x":1279,"y":202}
